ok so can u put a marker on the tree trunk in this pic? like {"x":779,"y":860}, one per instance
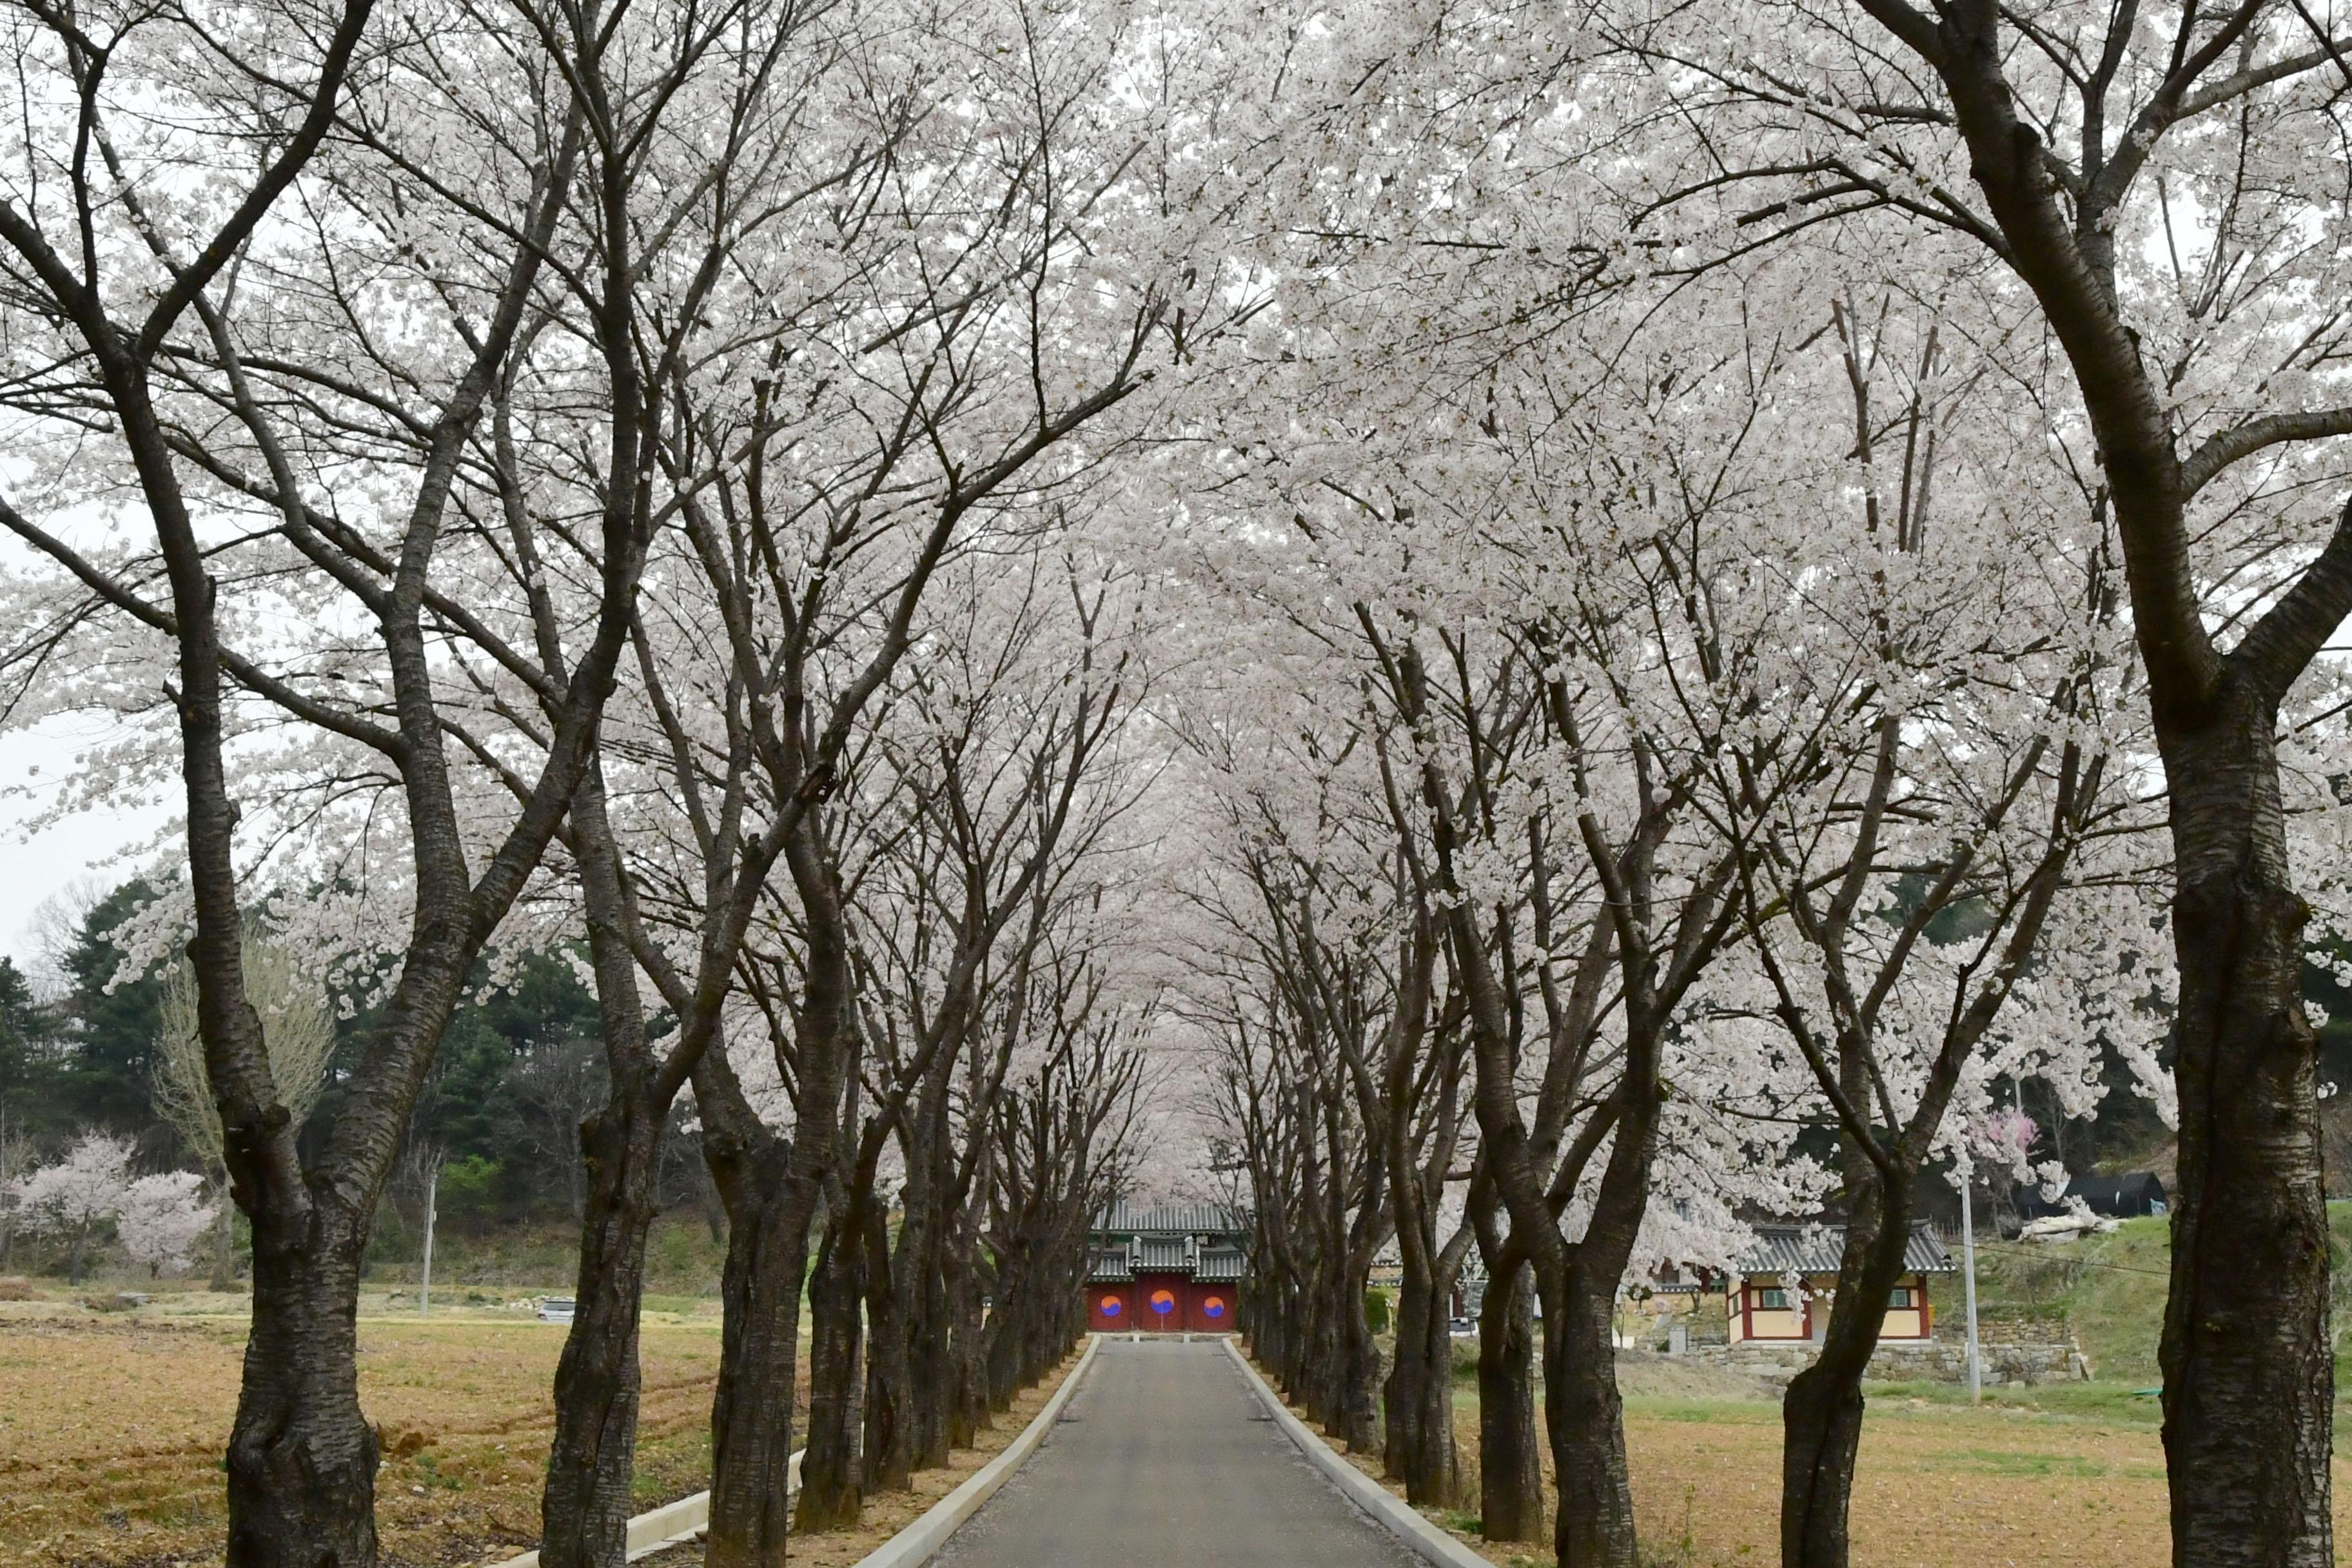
{"x":301,"y":1458}
{"x":886,"y":1462}
{"x":1419,"y":1396}
{"x":2249,"y":1377}
{"x":1359,"y":1369}
{"x":931,"y":1367}
{"x":831,"y":1496}
{"x":1822,"y":1415}
{"x":1593,"y":1527}
{"x":751,"y":1417}
{"x":967,"y":1343}
{"x":584,"y":1510}
{"x":1585,"y":1420}
{"x":1510,"y":1468}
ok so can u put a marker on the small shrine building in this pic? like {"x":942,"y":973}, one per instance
{"x":1166,"y":1268}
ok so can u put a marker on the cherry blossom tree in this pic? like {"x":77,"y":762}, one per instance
{"x":161,"y":1219}
{"x":70,"y":1199}
{"x":2161,"y":187}
{"x":228,"y":352}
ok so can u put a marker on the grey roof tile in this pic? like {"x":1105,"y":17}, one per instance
{"x":1167,"y":1218}
{"x":1815,"y":1248}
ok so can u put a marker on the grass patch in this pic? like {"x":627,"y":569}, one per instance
{"x":1707,"y":1412}
{"x":2111,"y":1403}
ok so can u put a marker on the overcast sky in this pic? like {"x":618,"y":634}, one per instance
{"x":36,"y":867}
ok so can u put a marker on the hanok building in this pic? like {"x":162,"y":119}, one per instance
{"x":1165,"y":1270}
{"x":1782,"y":1287}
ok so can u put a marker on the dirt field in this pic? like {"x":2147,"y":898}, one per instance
{"x":2063,"y":1478}
{"x":1939,"y":1486}
{"x":112,"y":1431}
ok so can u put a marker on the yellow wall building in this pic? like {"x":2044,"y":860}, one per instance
{"x":1784,"y":1285}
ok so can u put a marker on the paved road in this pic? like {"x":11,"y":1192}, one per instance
{"x":1166,"y":1454}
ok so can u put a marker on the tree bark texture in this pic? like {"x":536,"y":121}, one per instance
{"x":1821,"y":1415}
{"x":301,"y":1458}
{"x":2249,"y":1373}
{"x":886,"y":1457}
{"x":1510,"y":1468}
{"x":591,"y":1464}
{"x":751,"y":1425}
{"x":1585,"y":1420}
{"x":831,"y":1496}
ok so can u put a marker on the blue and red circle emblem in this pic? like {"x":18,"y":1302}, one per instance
{"x":1214,"y":1306}
{"x":1110,"y":1306}
{"x":1163,"y":1302}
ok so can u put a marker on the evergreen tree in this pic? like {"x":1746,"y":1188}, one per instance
{"x":110,"y":1033}
{"x":30,"y":1068}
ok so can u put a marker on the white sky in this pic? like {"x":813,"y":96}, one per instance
{"x":35,"y":867}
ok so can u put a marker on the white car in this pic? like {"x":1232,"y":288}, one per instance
{"x":556,"y":1310}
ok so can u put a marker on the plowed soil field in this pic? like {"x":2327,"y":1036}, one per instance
{"x":2065,"y":1478}
{"x":111,"y":1430}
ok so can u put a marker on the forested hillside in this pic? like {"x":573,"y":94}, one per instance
{"x":519,"y":1068}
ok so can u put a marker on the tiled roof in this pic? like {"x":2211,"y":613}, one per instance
{"x":1815,"y":1248}
{"x":1177,"y":1219}
{"x":1162,"y":1254}
{"x":1146,"y":1254}
{"x":1221,"y":1265}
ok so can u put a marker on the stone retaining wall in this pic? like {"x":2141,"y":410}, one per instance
{"x":1929,"y":1361}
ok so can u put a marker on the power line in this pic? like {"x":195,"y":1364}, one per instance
{"x":2016,"y":1251}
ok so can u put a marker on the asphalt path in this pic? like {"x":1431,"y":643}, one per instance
{"x":1166,"y":1454}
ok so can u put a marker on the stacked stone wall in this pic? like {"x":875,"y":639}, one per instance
{"x":2007,"y":1359}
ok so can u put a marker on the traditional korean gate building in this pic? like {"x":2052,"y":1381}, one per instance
{"x":1169,"y":1268}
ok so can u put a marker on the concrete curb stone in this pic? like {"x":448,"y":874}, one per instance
{"x":672,"y":1525}
{"x":918,"y":1540}
{"x":1427,"y":1540}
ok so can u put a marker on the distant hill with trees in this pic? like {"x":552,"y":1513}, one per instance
{"x":520,"y":1066}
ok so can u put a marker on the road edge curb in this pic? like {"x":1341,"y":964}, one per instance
{"x":672,"y":1525}
{"x":918,"y":1540}
{"x":1400,"y":1519}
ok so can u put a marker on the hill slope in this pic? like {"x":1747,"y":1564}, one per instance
{"x":2110,"y":1290}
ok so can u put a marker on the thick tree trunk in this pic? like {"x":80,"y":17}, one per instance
{"x":585,"y":1507}
{"x":1419,"y":1396}
{"x":1004,"y":1336}
{"x":752,"y":1428}
{"x":1359,"y":1372}
{"x":831,"y":1495}
{"x":1593,"y":1527}
{"x":1822,"y":1415}
{"x":967,"y":1343}
{"x":887,"y":1458}
{"x":2249,"y":1377}
{"x":1510,"y":1466}
{"x":930,"y":1381}
{"x":301,"y":1458}
{"x":1585,"y":1420}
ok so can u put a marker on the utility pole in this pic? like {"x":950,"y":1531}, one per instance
{"x":432,"y":1191}
{"x":1969,"y":1271}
